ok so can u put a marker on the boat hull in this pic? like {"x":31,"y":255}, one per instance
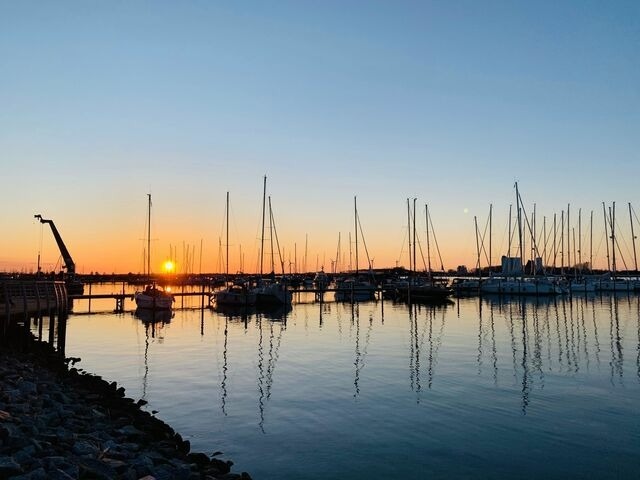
{"x":235,"y":299}
{"x":153,"y":302}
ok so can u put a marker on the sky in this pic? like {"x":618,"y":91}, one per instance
{"x":448,"y":102}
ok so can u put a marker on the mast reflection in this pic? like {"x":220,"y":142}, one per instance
{"x":277,"y":321}
{"x":575,"y":322}
{"x":417,"y":337}
{"x":153,"y":321}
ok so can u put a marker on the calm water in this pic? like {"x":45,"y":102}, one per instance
{"x":478,"y":389}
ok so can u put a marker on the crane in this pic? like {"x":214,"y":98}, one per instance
{"x":66,"y":256}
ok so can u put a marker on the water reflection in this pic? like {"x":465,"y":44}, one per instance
{"x":266,"y":370}
{"x":154,"y":322}
{"x":554,"y":335}
{"x":360,"y":353}
{"x":417,"y":336}
{"x":519,"y":342}
{"x":246,"y":312}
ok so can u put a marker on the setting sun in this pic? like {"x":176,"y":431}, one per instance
{"x":168,"y":266}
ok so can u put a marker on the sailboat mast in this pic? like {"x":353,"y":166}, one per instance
{"x":355,"y":209}
{"x":519,"y":222}
{"x":409,"y":231}
{"x":591,"y":242}
{"x":264,"y":198}
{"x":580,"y":237}
{"x":533,"y":239}
{"x":149,"y":235}
{"x":273,"y":267}
{"x":509,"y":234}
{"x":612,"y":215}
{"x":475,"y":222}
{"x":562,"y":242}
{"x":227,"y":240}
{"x":426,"y":214}
{"x":569,"y":238}
{"x":633,"y":240}
{"x":415,"y":265}
{"x":606,"y":235}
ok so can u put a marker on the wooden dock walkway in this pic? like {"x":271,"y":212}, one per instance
{"x":25,"y":301}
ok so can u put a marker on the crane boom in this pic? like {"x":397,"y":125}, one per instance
{"x":66,"y":256}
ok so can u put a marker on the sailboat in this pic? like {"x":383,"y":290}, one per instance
{"x":512,"y":280}
{"x":269,"y":291}
{"x":152,"y":297}
{"x":235,"y":294}
{"x":355,"y":289}
{"x":421,"y":289}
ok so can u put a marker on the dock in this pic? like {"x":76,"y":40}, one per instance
{"x":24,"y":303}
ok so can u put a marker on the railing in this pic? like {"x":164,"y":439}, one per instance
{"x":24,"y":300}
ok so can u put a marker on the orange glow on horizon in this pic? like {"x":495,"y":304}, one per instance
{"x":168,"y":266}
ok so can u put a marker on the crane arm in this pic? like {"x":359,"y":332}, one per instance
{"x":68,"y":261}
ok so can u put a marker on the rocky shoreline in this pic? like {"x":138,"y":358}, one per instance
{"x":59,"y":423}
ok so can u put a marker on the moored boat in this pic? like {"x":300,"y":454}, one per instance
{"x":269,"y":292}
{"x":235,"y":295}
{"x":154,"y":298}
{"x":424,"y":291}
{"x":354,"y":290}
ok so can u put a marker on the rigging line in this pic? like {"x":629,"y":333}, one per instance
{"x":275,"y":233}
{"x":363,"y":240}
{"x":629,"y":252}
{"x":482,"y":237}
{"x":535,"y":247}
{"x":435,"y":240}
{"x":421,"y":253}
{"x":546,"y":242}
{"x":620,"y":252}
{"x":404,"y":239}
{"x":634,"y":214}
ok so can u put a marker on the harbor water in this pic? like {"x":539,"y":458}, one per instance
{"x":479,"y":388}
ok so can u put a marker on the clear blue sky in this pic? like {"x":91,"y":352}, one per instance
{"x":450,"y":102}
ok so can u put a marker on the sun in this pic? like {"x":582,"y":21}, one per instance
{"x":168,"y":266}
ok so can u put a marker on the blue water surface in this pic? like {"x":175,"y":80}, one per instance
{"x":491,"y":388}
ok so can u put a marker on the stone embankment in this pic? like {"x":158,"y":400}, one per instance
{"x":58,"y":423}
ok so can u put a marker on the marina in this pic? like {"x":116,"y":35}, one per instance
{"x":320,"y":240}
{"x":500,"y":384}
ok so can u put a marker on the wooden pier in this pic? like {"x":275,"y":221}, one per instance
{"x":25,"y":301}
{"x":120,"y":297}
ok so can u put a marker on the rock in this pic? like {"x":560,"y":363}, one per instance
{"x":199,"y":459}
{"x":84,"y":448}
{"x":9,"y":467}
{"x":59,"y":423}
{"x":38,"y":474}
{"x":24,"y":455}
{"x":96,"y":469}
{"x":28,"y":387}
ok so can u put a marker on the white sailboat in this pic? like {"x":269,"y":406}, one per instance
{"x":152,"y":297}
{"x":355,"y":289}
{"x":270,"y":291}
{"x":236,"y":294}
{"x":512,"y":280}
